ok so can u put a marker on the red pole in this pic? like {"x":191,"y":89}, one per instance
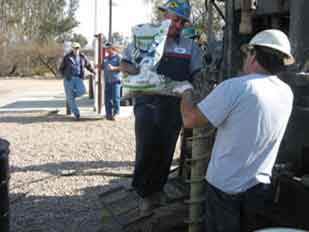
{"x":99,"y":74}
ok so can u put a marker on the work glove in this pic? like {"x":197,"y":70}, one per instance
{"x":181,"y":87}
{"x":146,"y":77}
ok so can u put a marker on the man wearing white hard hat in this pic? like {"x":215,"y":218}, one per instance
{"x":72,"y":68}
{"x":251,"y":113}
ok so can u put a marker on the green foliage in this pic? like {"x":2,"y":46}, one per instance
{"x":34,"y":24}
{"x":80,"y":39}
{"x":199,"y":14}
{"x":33,"y":58}
{"x":37,"y":19}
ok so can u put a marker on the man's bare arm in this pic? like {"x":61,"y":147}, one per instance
{"x":192,"y":117}
{"x":113,"y":68}
{"x":128,"y":68}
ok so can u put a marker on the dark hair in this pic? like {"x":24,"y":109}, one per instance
{"x":270,"y":59}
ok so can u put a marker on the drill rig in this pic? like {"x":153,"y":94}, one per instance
{"x":184,"y":212}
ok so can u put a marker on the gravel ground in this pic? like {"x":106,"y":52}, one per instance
{"x":57,"y":165}
{"x":44,"y":148}
{"x":60,"y":166}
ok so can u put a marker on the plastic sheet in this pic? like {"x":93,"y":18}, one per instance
{"x":149,"y":41}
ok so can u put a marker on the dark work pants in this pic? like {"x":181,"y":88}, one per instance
{"x":157,"y":127}
{"x":236,"y":212}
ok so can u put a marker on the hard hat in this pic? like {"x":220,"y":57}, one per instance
{"x":108,"y":44}
{"x":179,"y":7}
{"x":189,"y":32}
{"x":279,"y":229}
{"x":274,"y":39}
{"x":75,"y":45}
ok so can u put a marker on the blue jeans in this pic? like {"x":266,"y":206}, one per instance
{"x":73,"y":88}
{"x":237,"y":212}
{"x":112,"y":98}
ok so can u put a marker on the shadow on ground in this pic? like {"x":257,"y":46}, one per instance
{"x":78,"y":212}
{"x":49,"y":103}
{"x":40,"y":117}
{"x":74,"y":167}
{"x":72,"y":213}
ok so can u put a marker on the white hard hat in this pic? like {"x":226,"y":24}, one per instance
{"x":279,"y":229}
{"x":276,"y":40}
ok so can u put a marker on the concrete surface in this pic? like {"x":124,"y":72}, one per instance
{"x":28,"y":95}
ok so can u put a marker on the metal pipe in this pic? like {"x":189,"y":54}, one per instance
{"x":299,"y":35}
{"x":200,"y":156}
{"x":247,"y":7}
{"x":95,"y":48}
{"x":110,"y":38}
{"x":218,"y":9}
{"x":202,"y":141}
{"x":210,"y":35}
{"x":90,"y":83}
{"x":228,"y":39}
{"x":99,"y":73}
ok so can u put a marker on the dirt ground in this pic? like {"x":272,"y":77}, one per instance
{"x":60,"y":166}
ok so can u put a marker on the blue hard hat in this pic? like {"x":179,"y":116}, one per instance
{"x":179,"y":7}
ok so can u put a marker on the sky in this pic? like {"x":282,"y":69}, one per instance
{"x":126,"y":14}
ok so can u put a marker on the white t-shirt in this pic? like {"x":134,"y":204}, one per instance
{"x":251,"y":113}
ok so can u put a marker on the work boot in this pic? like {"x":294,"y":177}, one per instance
{"x":116,"y":116}
{"x":110,"y":118}
{"x":77,"y":117}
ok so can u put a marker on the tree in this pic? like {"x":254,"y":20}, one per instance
{"x":80,"y":39}
{"x":199,"y":16}
{"x":35,"y":22}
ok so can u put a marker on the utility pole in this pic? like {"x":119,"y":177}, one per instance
{"x":110,"y":20}
{"x":100,"y":82}
{"x":95,"y":49}
{"x":298,"y":21}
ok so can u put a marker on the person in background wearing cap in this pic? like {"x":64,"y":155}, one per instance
{"x":251,"y":113}
{"x":112,"y":77}
{"x":72,"y":68}
{"x":157,"y":118}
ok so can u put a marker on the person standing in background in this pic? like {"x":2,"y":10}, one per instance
{"x":112,"y":81}
{"x":72,"y":68}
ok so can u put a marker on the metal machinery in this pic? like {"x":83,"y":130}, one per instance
{"x":4,"y":186}
{"x":184,"y":212}
{"x":244,"y":19}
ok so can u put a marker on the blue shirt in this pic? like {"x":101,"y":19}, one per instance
{"x":77,"y":66}
{"x":109,"y":76}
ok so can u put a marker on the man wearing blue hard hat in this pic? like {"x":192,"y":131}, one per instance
{"x":157,"y":118}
